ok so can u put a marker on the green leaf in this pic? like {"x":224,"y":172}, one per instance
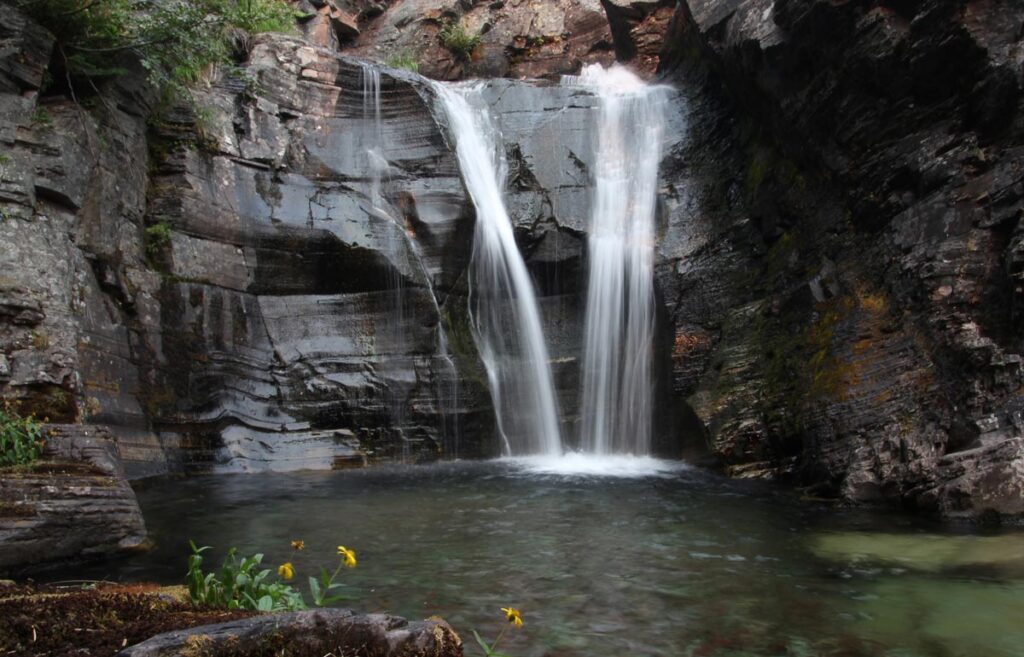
{"x":314,"y":590}
{"x":266,"y":603}
{"x":331,"y":599}
{"x":325,"y":578}
{"x":486,"y":648}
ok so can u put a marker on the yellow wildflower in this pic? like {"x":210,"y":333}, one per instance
{"x":513,"y":616}
{"x":298,"y":545}
{"x":350,"y":556}
{"x":285,"y":571}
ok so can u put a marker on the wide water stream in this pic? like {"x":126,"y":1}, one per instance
{"x":668,"y":561}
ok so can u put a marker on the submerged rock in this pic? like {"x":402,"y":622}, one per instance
{"x":313,"y":633}
{"x":924,"y":552}
{"x":957,"y":615}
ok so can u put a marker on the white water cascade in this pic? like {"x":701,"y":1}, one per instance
{"x":397,"y":242}
{"x":618,"y":385}
{"x":503,"y":305}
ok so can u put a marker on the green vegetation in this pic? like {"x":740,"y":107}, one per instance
{"x":157,"y":237}
{"x":21,"y":438}
{"x":404,"y":59}
{"x":458,"y":40}
{"x":42,"y":118}
{"x":175,"y":42}
{"x":240,"y":584}
{"x":4,"y":161}
{"x":243,"y":584}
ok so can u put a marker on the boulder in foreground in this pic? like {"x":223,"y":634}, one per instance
{"x":315,"y":633}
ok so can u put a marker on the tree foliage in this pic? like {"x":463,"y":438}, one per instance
{"x":176,"y":41}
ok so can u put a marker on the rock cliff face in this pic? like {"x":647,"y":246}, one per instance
{"x":75,"y":503}
{"x":840,"y":241}
{"x":246,"y":293}
{"x":518,"y":38}
{"x":201,"y":286}
{"x":848,"y":314}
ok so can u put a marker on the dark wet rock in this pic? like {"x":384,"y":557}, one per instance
{"x":323,"y":631}
{"x":252,"y":294}
{"x":307,"y":319}
{"x":842,"y":252}
{"x":73,"y":504}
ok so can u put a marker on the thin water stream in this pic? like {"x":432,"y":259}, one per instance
{"x":397,"y":242}
{"x":659,"y":560}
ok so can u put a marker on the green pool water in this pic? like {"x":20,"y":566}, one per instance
{"x":667,"y":561}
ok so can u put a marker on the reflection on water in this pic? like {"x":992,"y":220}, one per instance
{"x":676,"y":563}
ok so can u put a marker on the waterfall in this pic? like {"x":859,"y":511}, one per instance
{"x":618,"y":385}
{"x":503,"y":306}
{"x":398,"y":244}
{"x":372,"y":142}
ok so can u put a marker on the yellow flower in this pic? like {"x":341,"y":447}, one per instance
{"x":350,"y":556}
{"x":285,"y":571}
{"x":513,"y":616}
{"x":298,"y":545}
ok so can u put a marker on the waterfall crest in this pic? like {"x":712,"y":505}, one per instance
{"x":503,"y":307}
{"x":618,"y":385}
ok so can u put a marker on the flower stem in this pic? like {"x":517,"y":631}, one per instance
{"x":498,"y":638}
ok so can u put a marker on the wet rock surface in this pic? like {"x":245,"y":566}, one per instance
{"x":314,"y":311}
{"x":75,"y":503}
{"x":221,"y":291}
{"x":845,"y":289}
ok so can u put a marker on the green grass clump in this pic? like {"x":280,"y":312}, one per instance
{"x":157,"y":237}
{"x":458,"y":40}
{"x":405,"y":60}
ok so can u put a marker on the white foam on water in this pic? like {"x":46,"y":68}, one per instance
{"x":595,"y":465}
